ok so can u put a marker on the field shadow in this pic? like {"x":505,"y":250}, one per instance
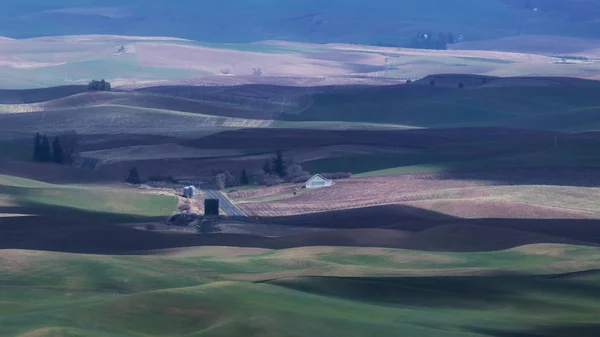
{"x":384,"y":216}
{"x":80,"y":231}
{"x":67,"y":229}
{"x":582,"y":330}
{"x":416,"y":220}
{"x":576,"y":176}
{"x":472,"y":292}
{"x":78,"y":235}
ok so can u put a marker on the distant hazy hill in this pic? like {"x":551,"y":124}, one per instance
{"x":360,"y":21}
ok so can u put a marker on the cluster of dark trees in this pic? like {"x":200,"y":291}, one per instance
{"x":99,"y":86}
{"x":226,"y":179}
{"x":431,"y":40}
{"x":62,"y":150}
{"x":279,"y":169}
{"x":275,"y":171}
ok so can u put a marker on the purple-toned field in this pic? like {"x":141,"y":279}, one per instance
{"x":459,"y":195}
{"x":137,"y":62}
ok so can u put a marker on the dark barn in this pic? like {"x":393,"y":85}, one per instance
{"x":211,"y":206}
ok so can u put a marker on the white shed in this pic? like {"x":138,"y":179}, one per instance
{"x":317,"y":181}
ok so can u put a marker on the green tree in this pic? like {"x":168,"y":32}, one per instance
{"x":441,"y":43}
{"x":37,"y":147}
{"x":221,"y":181}
{"x":99,"y":85}
{"x":279,"y":167}
{"x":69,"y":143}
{"x":57,"y":151}
{"x":267,"y":167}
{"x":45,"y":152}
{"x":451,"y":38}
{"x":230,"y":179}
{"x":244,"y":180}
{"x":134,"y":177}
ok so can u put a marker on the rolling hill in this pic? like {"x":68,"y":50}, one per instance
{"x":556,"y":104}
{"x":227,"y":291}
{"x":471,"y":212}
{"x":437,"y":101}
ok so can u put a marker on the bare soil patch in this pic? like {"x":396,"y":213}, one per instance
{"x":309,"y":138}
{"x":264,"y":230}
{"x":214,"y":61}
{"x":360,"y":193}
{"x":512,"y":193}
{"x":160,"y":151}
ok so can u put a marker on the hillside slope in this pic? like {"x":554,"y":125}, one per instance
{"x":228,"y":291}
{"x":438,"y":101}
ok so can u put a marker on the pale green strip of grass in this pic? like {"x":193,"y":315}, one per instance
{"x":123,"y":201}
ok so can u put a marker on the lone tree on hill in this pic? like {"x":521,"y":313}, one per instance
{"x":57,"y":151}
{"x":244,"y":180}
{"x":279,"y":167}
{"x":37,"y":147}
{"x":134,"y":177}
{"x":45,"y":152}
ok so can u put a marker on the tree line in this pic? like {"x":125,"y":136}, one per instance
{"x":276,"y":170}
{"x":226,"y":179}
{"x":62,"y":150}
{"x":99,"y":86}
